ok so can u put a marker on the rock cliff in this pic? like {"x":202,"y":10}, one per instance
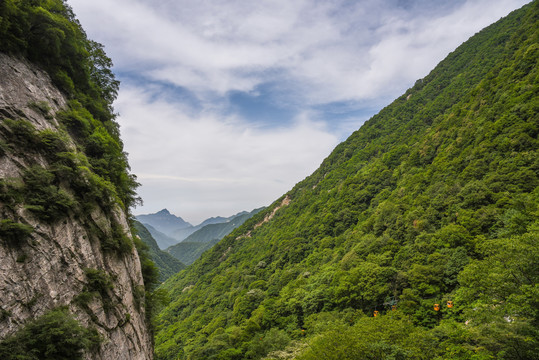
{"x":57,"y":252}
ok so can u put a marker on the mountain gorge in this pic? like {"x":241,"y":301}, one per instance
{"x":169,"y":230}
{"x":415,"y":239}
{"x":210,"y":232}
{"x":167,"y":264}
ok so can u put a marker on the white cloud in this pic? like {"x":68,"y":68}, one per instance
{"x":331,"y":50}
{"x":217,"y":165}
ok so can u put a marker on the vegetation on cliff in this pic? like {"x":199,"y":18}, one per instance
{"x":72,"y":169}
{"x":54,"y":336}
{"x":433,"y":201}
{"x":47,"y":33}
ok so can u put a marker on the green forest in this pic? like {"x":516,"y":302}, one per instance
{"x":415,"y":239}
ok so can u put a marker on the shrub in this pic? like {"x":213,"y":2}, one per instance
{"x":83,"y":299}
{"x":43,"y":197}
{"x":77,"y":120}
{"x":53,"y":141}
{"x":4,"y":314}
{"x":41,"y":107}
{"x":4,"y":148}
{"x":117,"y":241}
{"x":14,"y":232}
{"x":99,"y":281}
{"x":55,"y":335}
{"x":23,"y":133}
{"x":10,"y":194}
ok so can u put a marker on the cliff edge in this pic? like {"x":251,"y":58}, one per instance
{"x":65,"y":241}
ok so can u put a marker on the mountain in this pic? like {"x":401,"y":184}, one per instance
{"x":163,"y":241}
{"x":164,"y":222}
{"x":218,"y":230}
{"x":183,"y":234}
{"x":415,"y":239}
{"x":166,"y":263}
{"x":204,"y":238}
{"x":169,"y":229}
{"x":74,"y":283}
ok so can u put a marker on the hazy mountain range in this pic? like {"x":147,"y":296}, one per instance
{"x":168,"y":229}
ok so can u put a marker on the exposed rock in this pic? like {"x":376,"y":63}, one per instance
{"x":47,"y":270}
{"x":268,"y":217}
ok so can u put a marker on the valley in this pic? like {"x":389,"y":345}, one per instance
{"x":415,"y":238}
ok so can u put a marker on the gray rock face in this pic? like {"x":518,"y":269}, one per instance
{"x":48,"y":269}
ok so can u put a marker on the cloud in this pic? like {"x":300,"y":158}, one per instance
{"x":220,"y":164}
{"x":328,"y":51}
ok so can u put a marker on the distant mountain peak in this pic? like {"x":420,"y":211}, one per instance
{"x":164,"y":221}
{"x":165,"y":213}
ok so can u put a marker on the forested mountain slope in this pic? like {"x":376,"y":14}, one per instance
{"x":187,"y":252}
{"x":220,"y":230}
{"x":435,"y":199}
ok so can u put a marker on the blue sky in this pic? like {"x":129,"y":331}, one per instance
{"x":225,"y":105}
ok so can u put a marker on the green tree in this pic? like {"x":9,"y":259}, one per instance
{"x":53,"y":336}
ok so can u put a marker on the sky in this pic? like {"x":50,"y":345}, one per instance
{"x":224,"y":105}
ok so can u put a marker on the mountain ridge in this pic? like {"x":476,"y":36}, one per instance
{"x":164,"y":222}
{"x":168,"y":229}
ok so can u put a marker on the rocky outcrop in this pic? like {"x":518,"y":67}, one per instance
{"x":50,"y":268}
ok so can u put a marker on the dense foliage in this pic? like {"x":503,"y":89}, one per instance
{"x":433,"y":201}
{"x":166,"y":264}
{"x":53,"y":336}
{"x":47,"y":33}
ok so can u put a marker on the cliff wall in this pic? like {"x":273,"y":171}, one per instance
{"x":59,"y":247}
